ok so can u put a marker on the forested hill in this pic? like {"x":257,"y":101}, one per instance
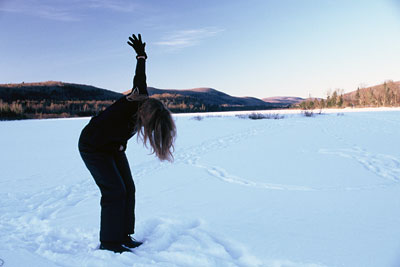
{"x":56,"y":91}
{"x":206,"y":99}
{"x":210,"y":96}
{"x":283,"y":100}
{"x":386,"y":94}
{"x":57,"y":99}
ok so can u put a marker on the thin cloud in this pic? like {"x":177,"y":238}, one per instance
{"x":39,"y":9}
{"x":119,"y":6}
{"x":56,"y":13}
{"x":187,"y":38}
{"x":63,"y":10}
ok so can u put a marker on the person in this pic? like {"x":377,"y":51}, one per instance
{"x":102,"y":146}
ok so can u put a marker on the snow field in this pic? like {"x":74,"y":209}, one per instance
{"x":298,"y":191}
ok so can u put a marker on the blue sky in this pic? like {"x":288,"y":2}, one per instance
{"x":255,"y":48}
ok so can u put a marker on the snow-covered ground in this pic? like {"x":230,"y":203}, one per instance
{"x":299,"y":191}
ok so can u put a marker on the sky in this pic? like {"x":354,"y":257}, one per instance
{"x":258,"y":48}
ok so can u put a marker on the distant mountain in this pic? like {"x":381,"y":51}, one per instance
{"x":209,"y":97}
{"x":58,"y":99}
{"x":386,"y":94}
{"x":388,"y":89}
{"x":52,"y":90}
{"x":52,"y":100}
{"x":283,"y":100}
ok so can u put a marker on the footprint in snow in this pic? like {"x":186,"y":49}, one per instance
{"x":382,"y":165}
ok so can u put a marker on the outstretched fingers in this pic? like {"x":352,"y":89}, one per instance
{"x":134,"y":38}
{"x":137,"y":44}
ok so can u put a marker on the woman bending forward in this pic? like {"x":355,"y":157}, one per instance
{"x":102,"y":145}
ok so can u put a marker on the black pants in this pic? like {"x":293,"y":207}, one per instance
{"x":112,"y":174}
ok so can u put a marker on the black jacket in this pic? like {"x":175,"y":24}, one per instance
{"x":110,"y":130}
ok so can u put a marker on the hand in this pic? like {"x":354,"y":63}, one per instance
{"x":137,"y":45}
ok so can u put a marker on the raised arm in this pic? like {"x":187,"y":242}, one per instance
{"x":112,"y":122}
{"x":139,"y":81}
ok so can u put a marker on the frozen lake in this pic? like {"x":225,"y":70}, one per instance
{"x":298,"y":191}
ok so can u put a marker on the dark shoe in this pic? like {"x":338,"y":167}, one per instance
{"x":115,"y":247}
{"x":130,"y":242}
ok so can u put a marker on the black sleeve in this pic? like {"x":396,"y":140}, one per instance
{"x":110,"y":127}
{"x":139,"y":81}
{"x":123,"y":109}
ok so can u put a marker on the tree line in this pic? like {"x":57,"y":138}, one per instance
{"x":72,"y":101}
{"x":34,"y":109}
{"x":50,"y":108}
{"x":385,"y":95}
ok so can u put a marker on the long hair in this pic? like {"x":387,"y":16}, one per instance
{"x":156,"y":125}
